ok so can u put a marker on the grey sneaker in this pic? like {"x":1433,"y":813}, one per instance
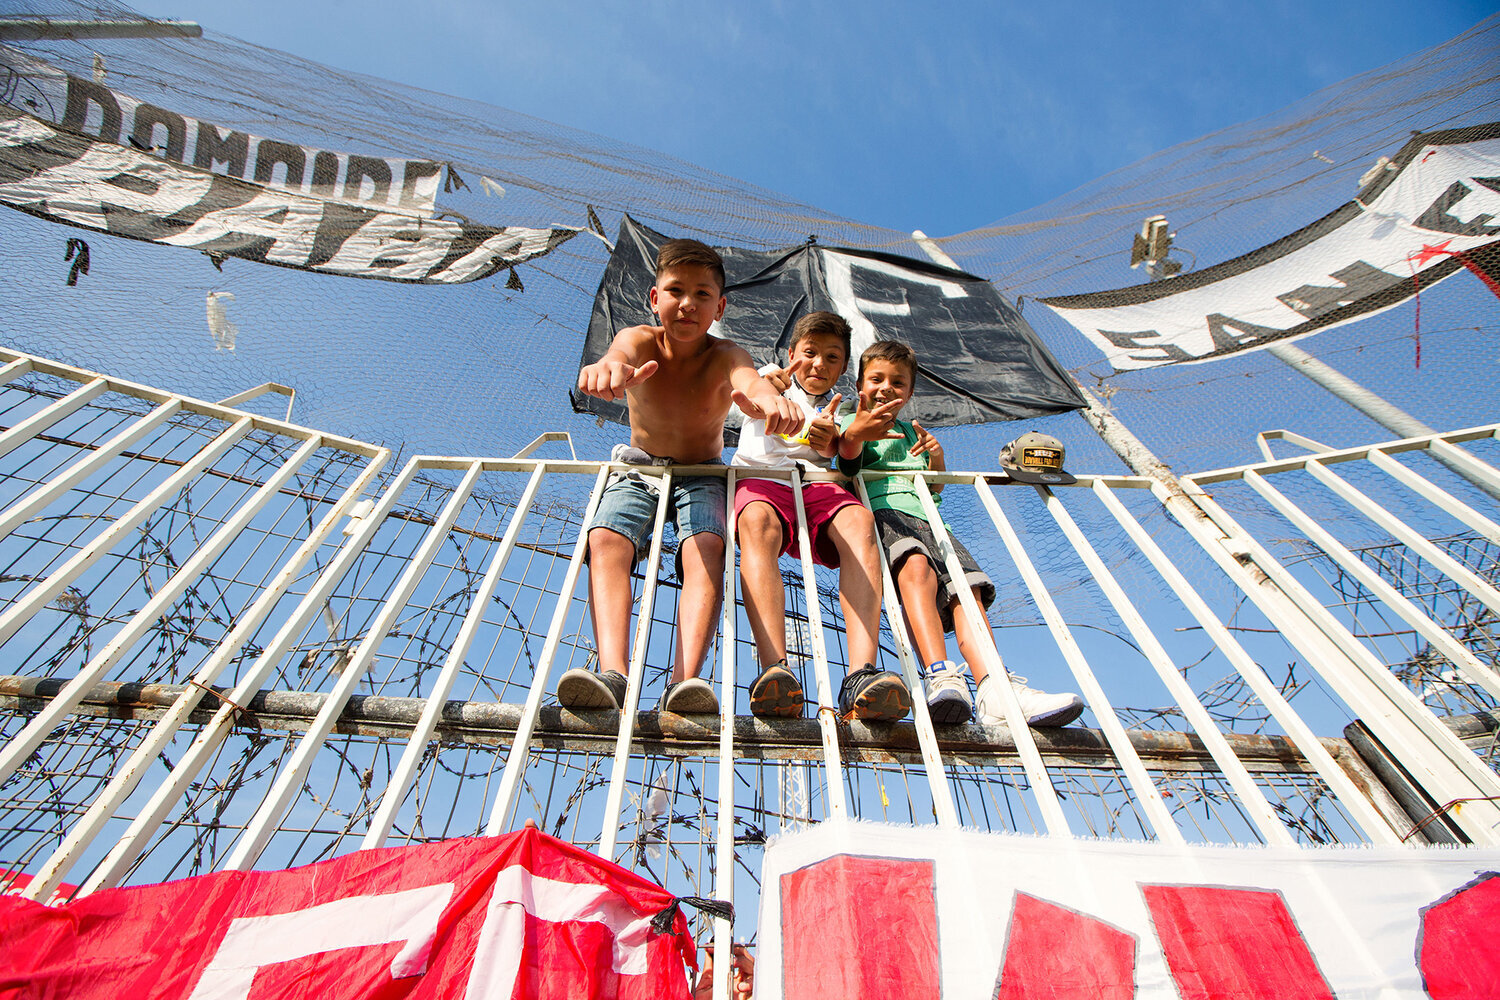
{"x":694,"y":696}
{"x":580,"y":688}
{"x":874,"y":695}
{"x":948,"y":701}
{"x":1042,"y":709}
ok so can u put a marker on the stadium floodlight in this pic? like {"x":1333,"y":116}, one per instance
{"x":1151,"y":246}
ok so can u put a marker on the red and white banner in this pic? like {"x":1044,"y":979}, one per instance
{"x":519,"y":916}
{"x":876,"y":912}
{"x":1413,"y":225}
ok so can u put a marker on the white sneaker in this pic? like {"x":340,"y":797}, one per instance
{"x":948,"y":701}
{"x":1042,"y":709}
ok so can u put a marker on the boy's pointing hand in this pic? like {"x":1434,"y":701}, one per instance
{"x":610,"y":379}
{"x":927,"y":444}
{"x":781,"y":378}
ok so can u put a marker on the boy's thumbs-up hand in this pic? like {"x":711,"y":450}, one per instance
{"x":782,"y":416}
{"x":610,"y":379}
{"x":824,"y":429}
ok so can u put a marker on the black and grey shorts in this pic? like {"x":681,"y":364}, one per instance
{"x":905,"y":536}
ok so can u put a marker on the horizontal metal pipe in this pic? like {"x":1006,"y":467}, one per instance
{"x":494,"y":724}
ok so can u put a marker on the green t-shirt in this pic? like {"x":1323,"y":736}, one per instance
{"x":894,"y":454}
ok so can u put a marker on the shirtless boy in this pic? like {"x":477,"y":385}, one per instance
{"x":678,"y":383}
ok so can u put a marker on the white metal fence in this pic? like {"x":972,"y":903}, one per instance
{"x":232,"y":641}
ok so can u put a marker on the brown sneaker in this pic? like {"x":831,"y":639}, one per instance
{"x":776,"y":693}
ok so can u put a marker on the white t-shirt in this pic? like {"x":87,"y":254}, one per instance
{"x":759,"y":450}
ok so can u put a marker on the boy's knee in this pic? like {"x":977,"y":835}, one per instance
{"x":707,"y":545}
{"x":855,"y":517}
{"x":758,"y":524}
{"x":606,"y":543}
{"x":853,"y":530}
{"x":916,"y":570}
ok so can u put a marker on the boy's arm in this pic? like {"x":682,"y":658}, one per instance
{"x":929,"y":446}
{"x":759,"y":399}
{"x":621,"y":367}
{"x":848,"y":453}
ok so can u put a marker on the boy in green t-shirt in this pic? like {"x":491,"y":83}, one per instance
{"x":873,"y":439}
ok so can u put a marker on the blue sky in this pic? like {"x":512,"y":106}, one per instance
{"x":941,"y":117}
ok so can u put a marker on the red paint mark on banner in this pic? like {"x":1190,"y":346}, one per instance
{"x":860,"y":927}
{"x":1060,"y":954}
{"x":1458,"y":950}
{"x":1240,"y":943}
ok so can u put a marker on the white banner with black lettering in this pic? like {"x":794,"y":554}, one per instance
{"x":1413,"y":225}
{"x":89,"y":108}
{"x":864,"y":910}
{"x":68,"y":177}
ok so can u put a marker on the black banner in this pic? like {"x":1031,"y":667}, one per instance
{"x":978,"y":360}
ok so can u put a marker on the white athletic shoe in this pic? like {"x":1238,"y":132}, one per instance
{"x":1042,"y":709}
{"x":948,"y":701}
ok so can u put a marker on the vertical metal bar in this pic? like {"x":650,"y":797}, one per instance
{"x":615,"y":797}
{"x":1451,"y":770}
{"x":42,"y":594}
{"x":1031,"y":758}
{"x":406,"y":770}
{"x":1439,"y":497}
{"x":289,"y":781}
{"x":1473,"y":671}
{"x":1252,"y":798}
{"x":133,"y":843}
{"x":165,"y":730}
{"x":724,"y":852}
{"x":833,"y":764}
{"x":20,"y":746}
{"x":39,"y":498}
{"x":932,"y":759}
{"x":520,"y":747}
{"x":1482,"y":474}
{"x":1119,"y":742}
{"x":1369,"y":819}
{"x":1455,"y":570}
{"x":44,"y":418}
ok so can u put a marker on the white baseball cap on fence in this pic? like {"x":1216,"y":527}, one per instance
{"x":1036,"y":458}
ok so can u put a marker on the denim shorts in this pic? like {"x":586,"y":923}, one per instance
{"x":905,"y":536}
{"x":628,"y":507}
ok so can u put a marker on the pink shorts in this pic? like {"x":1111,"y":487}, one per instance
{"x":821,"y":500}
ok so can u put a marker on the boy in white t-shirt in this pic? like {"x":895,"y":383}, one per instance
{"x":840,"y":529}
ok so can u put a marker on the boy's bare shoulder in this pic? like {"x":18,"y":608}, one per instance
{"x":637,"y":342}
{"x":729,"y":354}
